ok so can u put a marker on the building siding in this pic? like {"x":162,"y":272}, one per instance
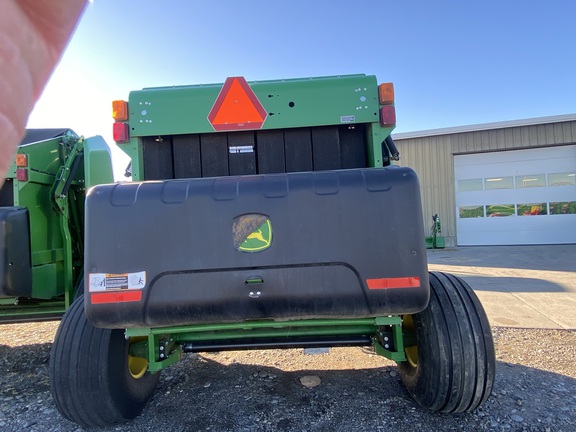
{"x":432,"y":158}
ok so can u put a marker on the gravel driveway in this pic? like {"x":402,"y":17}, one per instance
{"x":535,"y":389}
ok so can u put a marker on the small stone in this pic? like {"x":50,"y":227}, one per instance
{"x":392,"y":374}
{"x":517,"y":418}
{"x":207,"y":385}
{"x":310,"y":381}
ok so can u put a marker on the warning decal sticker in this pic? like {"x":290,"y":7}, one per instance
{"x":111,"y":282}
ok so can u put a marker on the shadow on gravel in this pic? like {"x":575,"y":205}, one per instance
{"x":511,"y":284}
{"x":201,"y":394}
{"x":23,"y":359}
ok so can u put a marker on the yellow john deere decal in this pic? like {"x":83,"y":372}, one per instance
{"x":252,"y":232}
{"x":259,"y":239}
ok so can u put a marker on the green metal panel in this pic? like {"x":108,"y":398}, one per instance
{"x":45,"y":237}
{"x":47,"y":280}
{"x":51,"y":204}
{"x":133,"y":149}
{"x":97,"y":162}
{"x":289,"y":103}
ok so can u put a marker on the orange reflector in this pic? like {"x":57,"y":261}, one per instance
{"x":386,"y":93}
{"x":237,"y":107}
{"x":116,"y":297}
{"x":391,"y":283}
{"x":21,"y":174}
{"x":387,"y":115}
{"x":21,"y":160}
{"x":120,"y":110}
{"x":120,"y":132}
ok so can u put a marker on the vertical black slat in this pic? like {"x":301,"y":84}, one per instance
{"x":270,"y":151}
{"x":242,"y":153}
{"x":298,"y":150}
{"x":157,"y":158}
{"x":326,"y":148}
{"x":7,"y":193}
{"x":353,"y":146}
{"x":186,"y":150}
{"x":214,"y":154}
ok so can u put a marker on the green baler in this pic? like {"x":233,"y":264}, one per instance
{"x":261,"y":215}
{"x":42,"y":221}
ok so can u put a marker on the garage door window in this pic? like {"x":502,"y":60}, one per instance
{"x":565,"y":207}
{"x":499,"y":183}
{"x":534,"y":180}
{"x":470,"y":185}
{"x":500,"y":210}
{"x":562,"y":179}
{"x":533,"y":209}
{"x":466,"y":212}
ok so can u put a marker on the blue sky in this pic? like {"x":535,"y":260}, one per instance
{"x":453,"y":63}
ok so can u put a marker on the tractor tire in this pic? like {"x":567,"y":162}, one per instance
{"x":90,"y":379}
{"x":451,"y":368}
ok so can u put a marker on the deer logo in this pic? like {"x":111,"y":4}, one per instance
{"x":257,"y":240}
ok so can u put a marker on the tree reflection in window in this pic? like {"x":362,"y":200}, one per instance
{"x":563,"y":207}
{"x":535,"y":209}
{"x":500,"y":210}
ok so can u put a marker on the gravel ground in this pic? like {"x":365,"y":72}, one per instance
{"x":535,"y":389}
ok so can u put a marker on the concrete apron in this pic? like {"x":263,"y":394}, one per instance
{"x":519,"y":286}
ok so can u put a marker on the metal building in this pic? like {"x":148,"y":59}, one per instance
{"x":499,"y":183}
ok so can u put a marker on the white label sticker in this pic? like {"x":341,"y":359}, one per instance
{"x":113,"y":282}
{"x":347,"y":119}
{"x":241,"y":149}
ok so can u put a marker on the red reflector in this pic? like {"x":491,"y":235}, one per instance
{"x":390,"y":283}
{"x":120,"y":132}
{"x":116,"y":297}
{"x":388,"y":115}
{"x":21,"y":174}
{"x":237,"y":107}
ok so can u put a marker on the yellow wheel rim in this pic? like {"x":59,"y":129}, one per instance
{"x":411,"y":351}
{"x":137,"y":366}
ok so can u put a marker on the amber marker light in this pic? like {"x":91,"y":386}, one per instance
{"x":386,"y":93}
{"x":120,"y":110}
{"x":21,"y":160}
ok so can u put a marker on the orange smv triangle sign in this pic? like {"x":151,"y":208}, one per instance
{"x":236,"y":107}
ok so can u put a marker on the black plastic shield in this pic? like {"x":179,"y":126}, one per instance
{"x":331,"y":244}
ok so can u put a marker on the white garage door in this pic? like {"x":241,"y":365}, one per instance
{"x":516,"y":197}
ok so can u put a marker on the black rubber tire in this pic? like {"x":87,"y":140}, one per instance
{"x":456,"y":364}
{"x":89,"y":377}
